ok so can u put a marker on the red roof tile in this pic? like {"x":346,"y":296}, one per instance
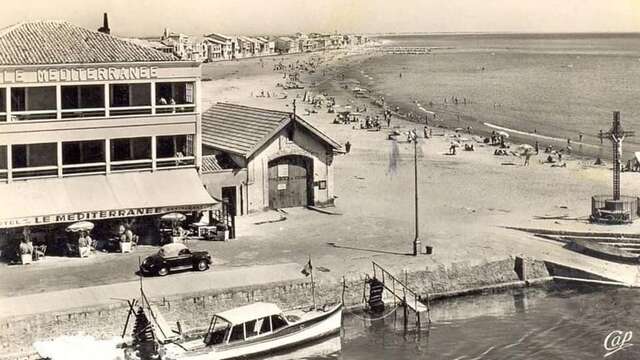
{"x":59,"y":42}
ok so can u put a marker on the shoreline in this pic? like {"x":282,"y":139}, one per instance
{"x":451,"y":117}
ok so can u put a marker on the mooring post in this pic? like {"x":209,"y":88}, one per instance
{"x":405,"y":311}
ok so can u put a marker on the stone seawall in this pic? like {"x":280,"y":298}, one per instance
{"x":195,"y":310}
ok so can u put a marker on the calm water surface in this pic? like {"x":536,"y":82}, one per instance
{"x":529,"y":324}
{"x":556,"y":85}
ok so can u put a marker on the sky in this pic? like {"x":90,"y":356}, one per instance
{"x":251,"y":17}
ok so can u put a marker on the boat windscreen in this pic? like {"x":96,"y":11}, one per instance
{"x":217,"y":331}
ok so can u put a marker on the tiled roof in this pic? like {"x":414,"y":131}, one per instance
{"x":59,"y":42}
{"x":242,"y":130}
{"x":210,"y":164}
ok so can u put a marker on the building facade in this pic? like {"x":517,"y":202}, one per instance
{"x":109,"y":130}
{"x":265,"y":159}
{"x":287,"y":45}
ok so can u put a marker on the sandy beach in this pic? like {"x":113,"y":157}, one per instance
{"x":484,"y":192}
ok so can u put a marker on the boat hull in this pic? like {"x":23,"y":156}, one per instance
{"x":293,"y":336}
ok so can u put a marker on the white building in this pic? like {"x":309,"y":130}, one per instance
{"x":93,"y":127}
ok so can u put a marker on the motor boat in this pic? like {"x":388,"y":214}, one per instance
{"x":256,"y":329}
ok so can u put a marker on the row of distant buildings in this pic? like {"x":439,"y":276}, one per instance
{"x":218,"y":47}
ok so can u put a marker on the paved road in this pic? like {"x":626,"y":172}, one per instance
{"x":154,"y":288}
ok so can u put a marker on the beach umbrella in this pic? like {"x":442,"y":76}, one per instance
{"x":80,"y":226}
{"x":173,"y":217}
{"x":459,"y":129}
{"x":525,"y":148}
{"x":503,"y":133}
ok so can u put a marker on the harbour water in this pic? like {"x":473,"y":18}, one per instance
{"x":523,"y":324}
{"x":552,"y":85}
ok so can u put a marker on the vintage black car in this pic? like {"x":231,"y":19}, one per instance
{"x":175,"y":256}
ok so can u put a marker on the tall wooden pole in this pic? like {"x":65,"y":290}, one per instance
{"x":416,"y":241}
{"x":313,"y":284}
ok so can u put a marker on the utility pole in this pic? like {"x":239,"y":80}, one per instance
{"x":416,"y":240}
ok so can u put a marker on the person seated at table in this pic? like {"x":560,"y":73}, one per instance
{"x":25,"y":250}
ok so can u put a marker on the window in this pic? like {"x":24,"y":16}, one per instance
{"x":171,"y":94}
{"x":252,"y":328}
{"x":3,"y":162}
{"x":130,"y":95}
{"x":176,"y":150}
{"x":266,"y":325}
{"x":237,"y":333}
{"x":130,"y":149}
{"x":170,"y":146}
{"x":277,"y":322}
{"x":3,"y":104}
{"x":82,"y":97}
{"x":82,"y":152}
{"x":33,"y":155}
{"x":82,"y":156}
{"x":33,"y":103}
{"x":24,"y":158}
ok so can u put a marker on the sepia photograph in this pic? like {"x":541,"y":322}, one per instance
{"x":319,"y":179}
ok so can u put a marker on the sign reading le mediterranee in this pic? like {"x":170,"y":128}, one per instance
{"x":78,"y":74}
{"x":93,"y":215}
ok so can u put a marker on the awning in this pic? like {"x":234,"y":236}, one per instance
{"x":96,"y":197}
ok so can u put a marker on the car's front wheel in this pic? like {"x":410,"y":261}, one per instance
{"x":202,"y":265}
{"x":163,"y":271}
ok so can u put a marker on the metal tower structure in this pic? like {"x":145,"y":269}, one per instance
{"x":617,"y":135}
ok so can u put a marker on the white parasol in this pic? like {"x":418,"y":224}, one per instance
{"x":80,"y":226}
{"x":525,"y":148}
{"x":503,"y":133}
{"x":173,"y":217}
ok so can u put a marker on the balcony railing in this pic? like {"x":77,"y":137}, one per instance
{"x":125,"y":165}
{"x":181,"y":108}
{"x":130,"y":110}
{"x":80,"y":113}
{"x":85,"y":169}
{"x":35,"y":172}
{"x":176,"y":161}
{"x":33,"y":115}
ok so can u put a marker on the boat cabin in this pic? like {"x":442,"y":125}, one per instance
{"x":244,"y":323}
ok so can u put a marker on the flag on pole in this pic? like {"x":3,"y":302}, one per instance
{"x":306,"y":270}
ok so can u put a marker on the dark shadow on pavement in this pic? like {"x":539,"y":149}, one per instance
{"x":370,"y":250}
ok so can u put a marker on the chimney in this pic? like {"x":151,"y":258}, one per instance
{"x":105,"y":25}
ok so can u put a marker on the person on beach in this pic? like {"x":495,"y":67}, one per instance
{"x":347,"y":147}
{"x":527,"y":156}
{"x":580,"y":137}
{"x":601,"y":137}
{"x":426,"y":132}
{"x":537,"y":148}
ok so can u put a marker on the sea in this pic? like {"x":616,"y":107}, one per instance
{"x":561,"y":323}
{"x":539,"y":87}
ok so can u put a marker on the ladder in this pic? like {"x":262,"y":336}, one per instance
{"x":384,"y":279}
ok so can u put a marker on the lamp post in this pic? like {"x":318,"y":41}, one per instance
{"x":416,"y":240}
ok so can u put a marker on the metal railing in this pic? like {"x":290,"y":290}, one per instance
{"x":386,"y":275}
{"x":629,"y":204}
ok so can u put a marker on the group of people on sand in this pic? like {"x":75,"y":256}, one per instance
{"x":454,"y":100}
